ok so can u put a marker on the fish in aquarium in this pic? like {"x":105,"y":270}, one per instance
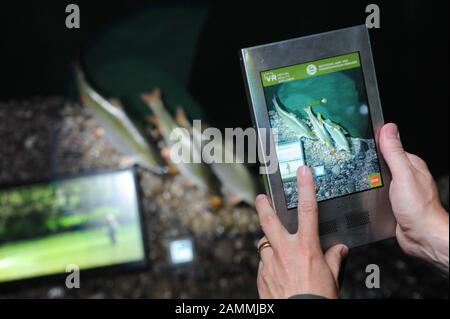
{"x":337,"y":133}
{"x":237,"y":183}
{"x":120,"y":130}
{"x":197,"y":173}
{"x":318,"y":127}
{"x":293,"y":122}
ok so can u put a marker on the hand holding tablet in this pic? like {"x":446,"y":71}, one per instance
{"x":422,"y":222}
{"x":318,"y":97}
{"x":293,"y":264}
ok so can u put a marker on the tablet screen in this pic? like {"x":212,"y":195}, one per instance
{"x":320,"y":117}
{"x":90,"y":221}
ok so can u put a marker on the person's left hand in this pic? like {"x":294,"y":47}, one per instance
{"x":294,"y":264}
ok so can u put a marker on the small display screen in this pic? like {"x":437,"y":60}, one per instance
{"x":320,"y":117}
{"x":91,"y":221}
{"x":181,"y":251}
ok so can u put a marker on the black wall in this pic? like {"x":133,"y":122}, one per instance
{"x":410,"y":52}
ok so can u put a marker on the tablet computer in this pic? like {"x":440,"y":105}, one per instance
{"x":318,"y":98}
{"x":90,"y":222}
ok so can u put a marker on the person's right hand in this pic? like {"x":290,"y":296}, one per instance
{"x":422,"y":222}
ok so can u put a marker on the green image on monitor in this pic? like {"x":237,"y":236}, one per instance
{"x":91,"y":222}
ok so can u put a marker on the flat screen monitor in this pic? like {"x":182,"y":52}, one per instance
{"x":91,"y":221}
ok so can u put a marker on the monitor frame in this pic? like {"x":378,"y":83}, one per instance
{"x":342,"y":213}
{"x":58,"y":279}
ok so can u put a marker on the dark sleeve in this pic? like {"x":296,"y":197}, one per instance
{"x":307,"y":296}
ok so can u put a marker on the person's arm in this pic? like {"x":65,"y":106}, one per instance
{"x":422,"y":222}
{"x":294,"y":266}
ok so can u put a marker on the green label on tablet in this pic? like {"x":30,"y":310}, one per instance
{"x":311,"y":69}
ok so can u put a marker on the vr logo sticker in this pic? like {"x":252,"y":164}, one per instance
{"x":270,"y":77}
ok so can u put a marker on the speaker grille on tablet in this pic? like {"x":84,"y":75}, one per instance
{"x":357,"y":219}
{"x":328,"y":227}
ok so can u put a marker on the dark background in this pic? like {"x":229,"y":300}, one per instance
{"x":410,"y":52}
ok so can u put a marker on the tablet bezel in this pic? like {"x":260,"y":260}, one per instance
{"x":340,"y":210}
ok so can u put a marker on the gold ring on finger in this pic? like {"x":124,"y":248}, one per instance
{"x":265,"y":244}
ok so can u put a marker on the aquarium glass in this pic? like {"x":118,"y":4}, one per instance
{"x":91,"y":221}
{"x":320,"y":117}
